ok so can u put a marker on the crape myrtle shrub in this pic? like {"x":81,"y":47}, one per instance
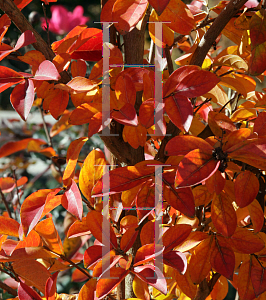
{"x":174,"y":206}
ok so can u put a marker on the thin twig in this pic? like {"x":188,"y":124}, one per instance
{"x":8,"y":289}
{"x":45,"y":128}
{"x":47,"y":24}
{"x":63,"y":257}
{"x":6,"y":204}
{"x":169,"y":60}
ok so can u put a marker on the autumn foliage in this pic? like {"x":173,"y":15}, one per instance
{"x":175,"y":206}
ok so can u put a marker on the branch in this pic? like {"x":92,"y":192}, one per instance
{"x":199,"y":55}
{"x":216,"y":28}
{"x":6,"y":204}
{"x":10,"y":8}
{"x":8,"y":289}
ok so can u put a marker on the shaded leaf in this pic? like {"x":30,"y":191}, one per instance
{"x":176,"y":260}
{"x":9,"y":226}
{"x":222,"y":258}
{"x":244,"y":284}
{"x":256,"y":215}
{"x":258,"y":277}
{"x":88,"y":290}
{"x":223,"y":215}
{"x":50,"y":287}
{"x":27,"y":293}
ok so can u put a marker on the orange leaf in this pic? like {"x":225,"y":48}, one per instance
{"x":192,"y":241}
{"x":12,"y":147}
{"x":222,"y":258}
{"x":220,"y":289}
{"x":147,"y":233}
{"x":88,"y":290}
{"x":259,"y":125}
{"x":246,"y":188}
{"x":33,"y":58}
{"x":199,"y":265}
{"x":81,"y":84}
{"x":7,"y":184}
{"x":95,"y":223}
{"x":92,"y":255}
{"x":36,"y":206}
{"x":78,"y":228}
{"x":202,"y":196}
{"x":185,"y":284}
{"x":244,"y":284}
{"x":175,"y":235}
{"x":223,"y":215}
{"x":78,"y":68}
{"x":72,"y":158}
{"x":59,"y":104}
{"x":50,"y":236}
{"x":140,"y":289}
{"x":91,"y":171}
{"x":9,"y":226}
{"x":135,"y":135}
{"x":127,"y":14}
{"x":34,"y":273}
{"x":216,"y":183}
{"x":106,"y":285}
{"x":257,"y":216}
{"x":245,"y":241}
{"x":125,"y":90}
{"x":196,"y":166}
{"x":128,"y":239}
{"x":219,"y":122}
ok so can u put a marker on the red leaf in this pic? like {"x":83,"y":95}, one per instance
{"x":196,"y":166}
{"x":176,"y":260}
{"x":180,"y":199}
{"x":92,"y":255}
{"x":59,"y":104}
{"x":47,"y":71}
{"x":27,"y":293}
{"x":153,"y":276}
{"x":244,"y":284}
{"x":8,"y":77}
{"x":259,"y":125}
{"x":126,"y":115}
{"x":159,"y":5}
{"x":180,"y":111}
{"x":72,"y":201}
{"x":50,"y":287}
{"x":182,"y":145}
{"x":106,"y":285}
{"x":147,"y":253}
{"x":175,"y":235}
{"x":223,"y":259}
{"x":78,"y":229}
{"x":22,"y":98}
{"x":125,"y":178}
{"x":25,"y":39}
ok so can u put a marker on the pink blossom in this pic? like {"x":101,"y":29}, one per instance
{"x":63,"y":21}
{"x":251,"y":3}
